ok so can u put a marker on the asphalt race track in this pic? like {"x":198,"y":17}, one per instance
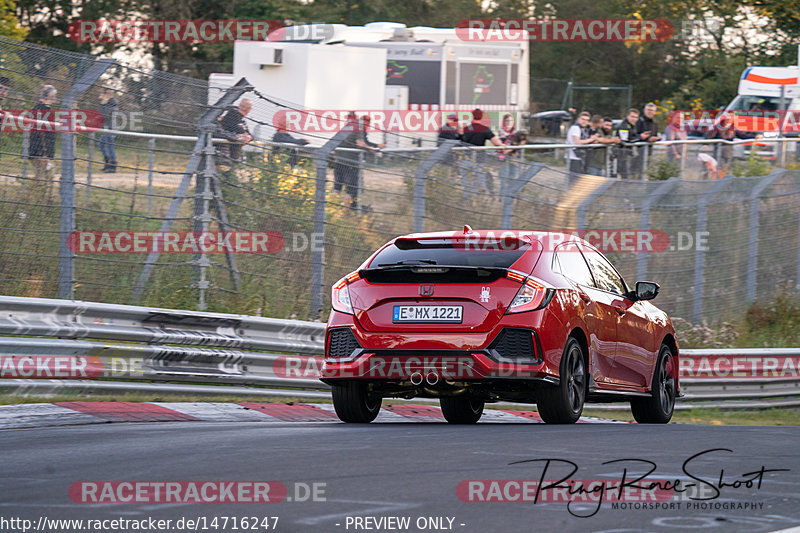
{"x":407,"y":469}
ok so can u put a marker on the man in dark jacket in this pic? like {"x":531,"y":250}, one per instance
{"x":283,"y":136}
{"x":42,"y":149}
{"x":628,"y":162}
{"x":647,"y":128}
{"x":347,"y":164}
{"x":450,"y":130}
{"x":233,"y":127}
{"x":108,"y":108}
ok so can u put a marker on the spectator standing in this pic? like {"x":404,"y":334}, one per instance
{"x":108,"y":109}
{"x":43,"y":139}
{"x":347,"y":164}
{"x":450,"y":130}
{"x":723,"y":152}
{"x":602,"y":130}
{"x":629,"y":165}
{"x":233,"y":127}
{"x":476,"y":134}
{"x":507,"y":128}
{"x":577,"y":135}
{"x":675,"y":132}
{"x":283,"y":136}
{"x":647,"y":127}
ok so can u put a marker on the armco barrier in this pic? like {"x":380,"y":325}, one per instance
{"x":52,"y":344}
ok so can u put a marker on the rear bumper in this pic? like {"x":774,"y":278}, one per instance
{"x":445,"y":364}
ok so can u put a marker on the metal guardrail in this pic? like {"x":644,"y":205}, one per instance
{"x":63,"y":344}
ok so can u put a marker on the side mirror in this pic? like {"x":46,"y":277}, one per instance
{"x":646,"y":290}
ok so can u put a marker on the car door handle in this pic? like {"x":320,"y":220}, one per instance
{"x":619,"y":309}
{"x":585,"y":297}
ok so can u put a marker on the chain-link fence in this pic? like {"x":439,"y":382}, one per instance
{"x":285,"y":221}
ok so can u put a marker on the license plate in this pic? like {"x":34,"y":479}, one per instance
{"x":427,"y":313}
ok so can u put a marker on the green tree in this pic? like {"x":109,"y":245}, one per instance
{"x":9,"y":24}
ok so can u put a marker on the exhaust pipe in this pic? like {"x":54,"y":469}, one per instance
{"x":433,"y":381}
{"x":416,"y":378}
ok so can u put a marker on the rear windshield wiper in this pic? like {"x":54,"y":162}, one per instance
{"x":410,"y":262}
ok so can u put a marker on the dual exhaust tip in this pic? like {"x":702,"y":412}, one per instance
{"x":432,"y":378}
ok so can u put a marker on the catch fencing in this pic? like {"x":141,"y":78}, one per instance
{"x":724,"y":243}
{"x":52,"y":345}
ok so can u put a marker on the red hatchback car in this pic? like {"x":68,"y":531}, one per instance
{"x":482,"y":316}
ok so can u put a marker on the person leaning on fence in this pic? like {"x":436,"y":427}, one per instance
{"x":283,"y":136}
{"x":510,"y":136}
{"x":347,"y":163}
{"x":647,"y":127}
{"x":233,"y":128}
{"x":512,"y":159}
{"x":476,"y":134}
{"x":578,"y":134}
{"x":451,"y":130}
{"x":42,"y":147}
{"x":628,"y":163}
{"x":108,"y":109}
{"x":603,"y":132}
{"x":723,"y":152}
{"x":675,"y":132}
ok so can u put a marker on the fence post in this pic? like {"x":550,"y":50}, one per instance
{"x":645,"y":154}
{"x":204,"y":125}
{"x":360,"y":177}
{"x":66,"y":272}
{"x":699,"y":254}
{"x":752,"y":243}
{"x":421,"y":181}
{"x":89,"y":156}
{"x":511,"y":190}
{"x":202,"y":216}
{"x":580,"y":214}
{"x":151,"y":160}
{"x":321,"y":157}
{"x":26,"y":143}
{"x":644,"y":221}
{"x":684,"y":151}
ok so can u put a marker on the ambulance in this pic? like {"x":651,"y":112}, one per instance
{"x":767,"y":106}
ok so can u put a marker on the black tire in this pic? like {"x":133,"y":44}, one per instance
{"x":563,"y":404}
{"x":658,"y":408}
{"x":461,"y":409}
{"x":353,"y":403}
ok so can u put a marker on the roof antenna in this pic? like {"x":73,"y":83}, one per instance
{"x":467,"y":229}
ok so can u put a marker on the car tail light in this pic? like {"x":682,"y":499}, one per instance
{"x":340,"y":295}
{"x":515,"y":276}
{"x":531,"y":296}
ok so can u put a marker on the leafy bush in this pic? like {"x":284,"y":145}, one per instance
{"x":663,"y":169}
{"x":754,"y":165}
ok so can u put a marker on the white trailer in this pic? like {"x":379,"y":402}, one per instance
{"x":384,"y":65}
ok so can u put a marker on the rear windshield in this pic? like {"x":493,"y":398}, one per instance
{"x":441,"y":252}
